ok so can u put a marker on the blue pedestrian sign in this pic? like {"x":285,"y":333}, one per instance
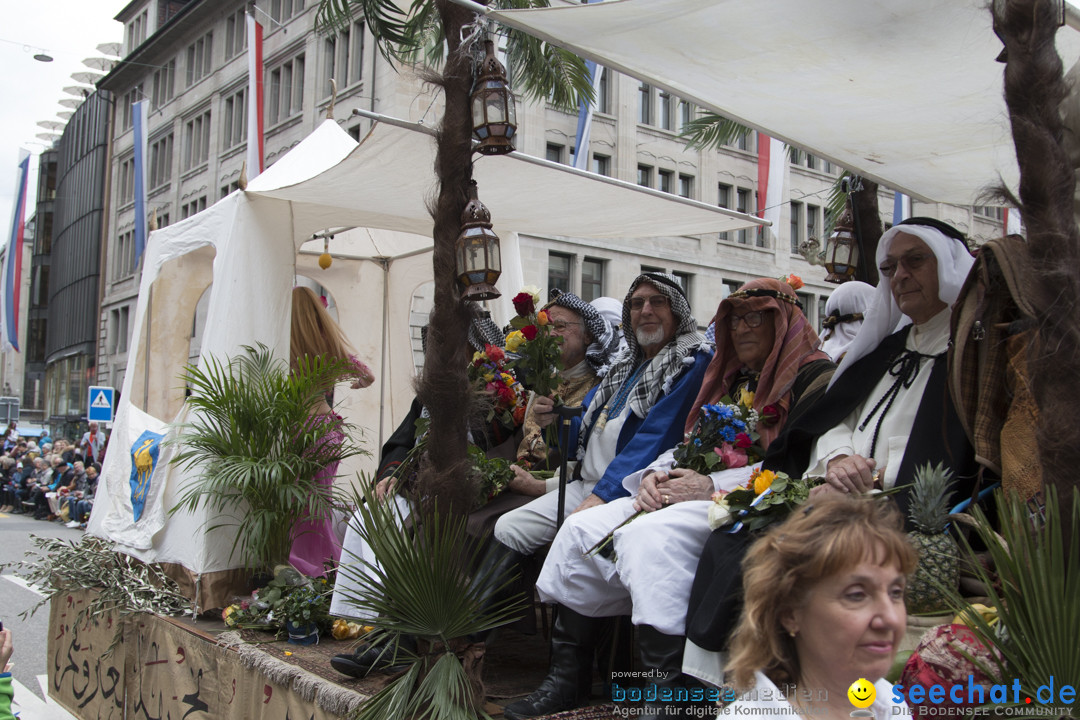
{"x":100,"y":404}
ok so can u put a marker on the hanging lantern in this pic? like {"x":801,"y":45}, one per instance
{"x":493,"y":112}
{"x":477,"y":251}
{"x":325,"y":260}
{"x":842,"y":249}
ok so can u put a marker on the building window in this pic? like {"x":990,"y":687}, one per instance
{"x":732,"y":286}
{"x":686,"y":185}
{"x":796,"y":226}
{"x":812,"y":212}
{"x":603,"y":92}
{"x":645,"y":104}
{"x":811,"y":161}
{"x":684,"y":281}
{"x":742,"y":198}
{"x":162,"y":86}
{"x":197,"y":141}
{"x":723,"y":199}
{"x":666,"y":177}
{"x":558,"y":271}
{"x":124,"y":262}
{"x":235,"y":34}
{"x":686,"y":114}
{"x":592,"y":279}
{"x":127,"y":112}
{"x":651,"y":268}
{"x":282,"y":10}
{"x":822,"y":313}
{"x":806,"y":301}
{"x":226,"y":190}
{"x":200,"y":58}
{"x":122,"y":330}
{"x":163,"y":220}
{"x":234,"y":121}
{"x":554,"y":152}
{"x":343,"y":58}
{"x":127,"y":181}
{"x":161,"y":154}
{"x":136,"y":31}
{"x":644,"y":175}
{"x":190,"y":208}
{"x":286,"y":89}
{"x":601,"y":164}
{"x":667,"y":110}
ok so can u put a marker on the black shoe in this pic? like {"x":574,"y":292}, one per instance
{"x":495,"y":581}
{"x":664,"y":655}
{"x":573,"y":639}
{"x":375,"y":656}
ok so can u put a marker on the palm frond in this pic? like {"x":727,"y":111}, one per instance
{"x":1039,"y":618}
{"x":387,"y":21}
{"x":710,"y":131}
{"x":541,"y":71}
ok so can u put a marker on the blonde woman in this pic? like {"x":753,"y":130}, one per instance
{"x":315,"y":334}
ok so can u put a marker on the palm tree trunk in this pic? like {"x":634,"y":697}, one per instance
{"x":444,"y":388}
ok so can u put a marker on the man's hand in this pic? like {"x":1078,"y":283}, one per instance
{"x":851,"y":473}
{"x":525,"y":484}
{"x":385,"y":487}
{"x":591,"y":501}
{"x":542,"y":407}
{"x":674,"y":486}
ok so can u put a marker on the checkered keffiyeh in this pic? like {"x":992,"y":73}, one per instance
{"x":605,"y":345}
{"x":660,"y":373}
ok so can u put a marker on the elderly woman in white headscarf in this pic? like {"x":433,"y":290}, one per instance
{"x":844,"y":313}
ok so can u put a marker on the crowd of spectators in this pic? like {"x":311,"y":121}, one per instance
{"x":52,"y":480}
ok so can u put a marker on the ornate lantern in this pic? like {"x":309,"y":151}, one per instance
{"x":477,"y":251}
{"x":842,"y":249}
{"x":494,"y":116}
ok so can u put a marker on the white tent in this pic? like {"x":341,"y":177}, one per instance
{"x":245,"y":250}
{"x":906,"y":92}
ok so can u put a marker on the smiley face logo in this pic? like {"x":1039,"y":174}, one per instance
{"x":862,"y":693}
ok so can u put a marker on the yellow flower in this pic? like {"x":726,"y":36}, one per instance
{"x":488,"y":376}
{"x":746,"y":399}
{"x":508,"y":379}
{"x":763,"y":480}
{"x":514,"y":340}
{"x":478,"y":357}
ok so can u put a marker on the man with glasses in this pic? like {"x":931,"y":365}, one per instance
{"x":633,"y":415}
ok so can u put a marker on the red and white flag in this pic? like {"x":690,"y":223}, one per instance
{"x":254,"y":98}
{"x":771,"y":173}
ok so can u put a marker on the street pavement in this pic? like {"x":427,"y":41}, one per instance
{"x":29,"y":635}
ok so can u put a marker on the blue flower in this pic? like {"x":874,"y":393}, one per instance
{"x":728,"y":433}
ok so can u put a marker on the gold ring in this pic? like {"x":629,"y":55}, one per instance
{"x":667,"y":499}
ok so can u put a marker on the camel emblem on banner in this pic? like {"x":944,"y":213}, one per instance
{"x":144,"y":460}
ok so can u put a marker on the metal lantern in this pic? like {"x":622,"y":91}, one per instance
{"x":842,"y":249}
{"x":477,"y":251}
{"x":494,"y":116}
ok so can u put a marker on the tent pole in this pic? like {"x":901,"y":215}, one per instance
{"x":385,"y":262}
{"x":146,"y":364}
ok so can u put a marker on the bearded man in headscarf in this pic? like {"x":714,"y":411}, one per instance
{"x":766,"y":347}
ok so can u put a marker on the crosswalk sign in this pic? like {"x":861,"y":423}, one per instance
{"x":100,"y":404}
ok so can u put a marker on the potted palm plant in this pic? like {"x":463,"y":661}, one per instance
{"x":256,"y":448}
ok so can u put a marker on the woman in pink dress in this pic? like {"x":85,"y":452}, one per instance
{"x":314,"y":333}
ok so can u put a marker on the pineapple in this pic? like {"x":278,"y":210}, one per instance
{"x":939,"y":564}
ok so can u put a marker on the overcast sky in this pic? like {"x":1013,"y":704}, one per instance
{"x":69,"y":31}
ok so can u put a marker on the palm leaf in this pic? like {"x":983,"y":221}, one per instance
{"x":541,"y":71}
{"x":710,"y":131}
{"x":1039,"y":617}
{"x":387,"y":21}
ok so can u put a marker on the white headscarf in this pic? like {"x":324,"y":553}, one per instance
{"x":851,"y":297}
{"x":884,"y":316}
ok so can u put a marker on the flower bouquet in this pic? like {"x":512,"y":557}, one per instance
{"x":766,"y":498}
{"x":535,"y":355}
{"x":723,"y":437}
{"x":495,"y":475}
{"x":488,"y":371}
{"x":289,"y":597}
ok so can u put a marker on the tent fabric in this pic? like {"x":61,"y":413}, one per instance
{"x":243,"y":254}
{"x":905,"y":92}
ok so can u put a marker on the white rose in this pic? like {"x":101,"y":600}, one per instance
{"x":719,"y":514}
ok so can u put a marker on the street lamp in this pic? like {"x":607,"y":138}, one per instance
{"x":477,"y":251}
{"x":493,"y":111}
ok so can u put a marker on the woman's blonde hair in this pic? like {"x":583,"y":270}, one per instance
{"x":828,"y":535}
{"x":313,"y":331}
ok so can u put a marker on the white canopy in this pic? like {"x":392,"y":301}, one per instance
{"x":245,"y":251}
{"x":906,"y":92}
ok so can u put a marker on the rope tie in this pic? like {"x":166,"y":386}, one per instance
{"x":905,"y":367}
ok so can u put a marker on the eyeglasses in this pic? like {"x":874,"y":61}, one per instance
{"x":657,"y":302}
{"x":752,"y":319}
{"x":561,"y":326}
{"x":912,"y":262}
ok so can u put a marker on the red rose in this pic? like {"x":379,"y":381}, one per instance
{"x":506,"y":395}
{"x":529,"y":331}
{"x":494,"y":353}
{"x":770,"y":414}
{"x":523,"y":304}
{"x":743,"y":441}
